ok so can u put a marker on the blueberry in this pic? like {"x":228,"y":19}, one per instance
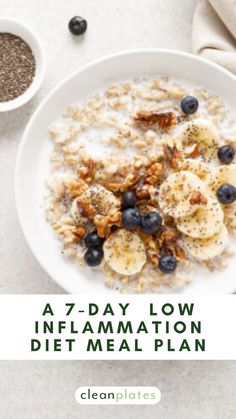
{"x":226,"y":194}
{"x":131,"y":218}
{"x":77,"y":25}
{"x":226,"y":154}
{"x":151,"y":222}
{"x":93,"y":256}
{"x":189,"y":105}
{"x":167,"y":264}
{"x":93,"y":240}
{"x":129,"y":199}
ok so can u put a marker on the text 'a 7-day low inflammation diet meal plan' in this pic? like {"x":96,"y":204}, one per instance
{"x":118,"y":215}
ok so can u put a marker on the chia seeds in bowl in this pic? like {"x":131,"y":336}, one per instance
{"x":17,"y":69}
{"x":22,"y":65}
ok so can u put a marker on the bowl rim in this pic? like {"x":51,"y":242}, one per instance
{"x":125,"y":52}
{"x":39,"y":76}
{"x":47,"y":98}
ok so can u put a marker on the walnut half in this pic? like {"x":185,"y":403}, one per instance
{"x":165,"y":120}
{"x":105,"y":223}
{"x":154,"y":172}
{"x":173,"y":156}
{"x":87,"y":173}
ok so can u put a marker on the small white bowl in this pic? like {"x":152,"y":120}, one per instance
{"x":16,"y":28}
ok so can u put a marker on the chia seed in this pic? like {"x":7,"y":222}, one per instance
{"x":17,"y":66}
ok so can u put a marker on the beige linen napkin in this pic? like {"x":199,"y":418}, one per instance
{"x":214,"y":31}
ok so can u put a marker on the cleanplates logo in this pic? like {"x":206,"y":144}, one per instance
{"x":118,"y":395}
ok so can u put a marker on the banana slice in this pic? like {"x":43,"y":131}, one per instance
{"x":207,"y":249}
{"x":124,"y":252}
{"x":176,"y":191}
{"x":205,"y":222}
{"x":220,"y":175}
{"x":76,"y":213}
{"x":104,"y":201}
{"x":202,"y":132}
{"x":197,"y":167}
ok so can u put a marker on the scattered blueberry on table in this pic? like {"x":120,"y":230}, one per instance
{"x":226,"y":154}
{"x":226,"y":194}
{"x":78,"y":25}
{"x":189,"y":105}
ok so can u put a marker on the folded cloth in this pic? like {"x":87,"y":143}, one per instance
{"x":214,"y":31}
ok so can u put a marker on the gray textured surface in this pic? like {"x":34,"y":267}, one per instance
{"x":190,"y":390}
{"x":45,"y":390}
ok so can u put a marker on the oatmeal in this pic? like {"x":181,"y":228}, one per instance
{"x":143,"y":183}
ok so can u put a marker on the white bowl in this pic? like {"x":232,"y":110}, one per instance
{"x":16,"y":28}
{"x":32,"y":165}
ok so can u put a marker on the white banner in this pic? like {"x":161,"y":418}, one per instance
{"x":117,"y":327}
